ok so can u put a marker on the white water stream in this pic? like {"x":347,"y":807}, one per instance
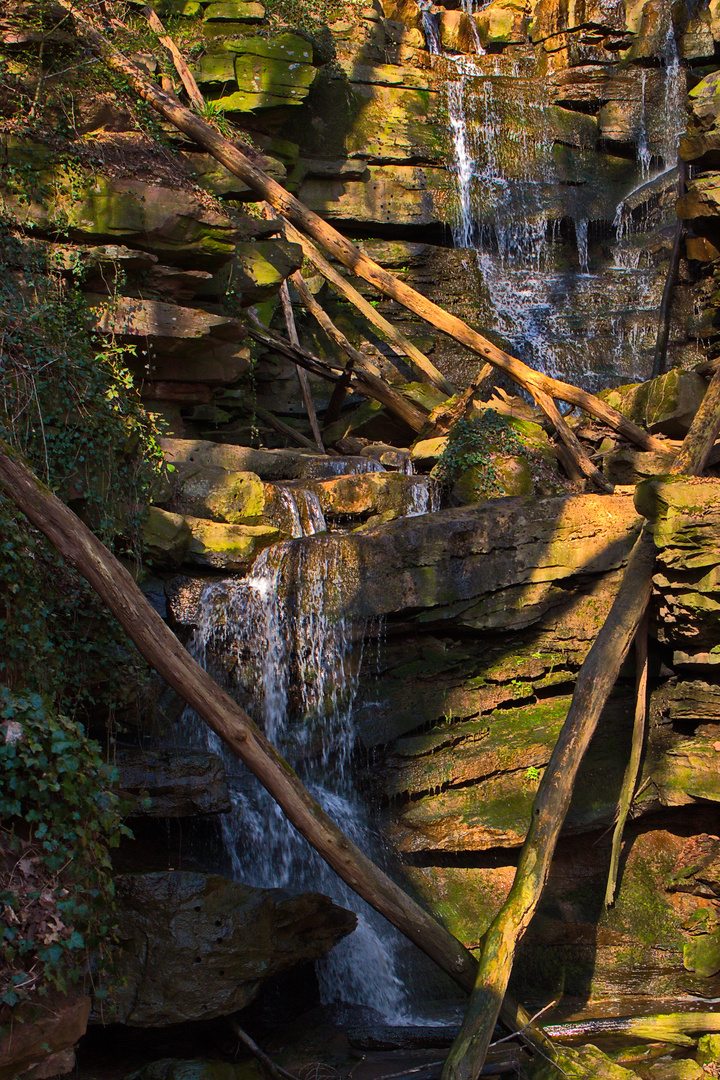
{"x":576,"y":314}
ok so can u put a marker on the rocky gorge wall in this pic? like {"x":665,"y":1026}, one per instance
{"x":484,"y":613}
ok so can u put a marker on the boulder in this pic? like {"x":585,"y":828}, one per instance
{"x":173,"y":783}
{"x":227,"y":547}
{"x":199,"y":946}
{"x":166,"y":536}
{"x":665,"y":406}
{"x":41,"y":1039}
{"x":269,"y":72}
{"x":503,"y":21}
{"x":238,"y":498}
{"x":259,"y":268}
{"x":267,"y":464}
{"x":457,"y":33}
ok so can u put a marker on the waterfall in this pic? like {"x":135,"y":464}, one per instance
{"x":463,"y":166}
{"x":294,"y":664}
{"x":430,"y":28}
{"x":588,"y":314}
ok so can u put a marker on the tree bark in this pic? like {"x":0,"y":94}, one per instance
{"x":400,"y":345}
{"x":365,"y":382}
{"x":301,"y":373}
{"x":157,"y":643}
{"x":596,"y":679}
{"x":629,"y":782}
{"x":346,"y":252}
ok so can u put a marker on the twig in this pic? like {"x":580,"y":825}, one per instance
{"x":273,"y":1070}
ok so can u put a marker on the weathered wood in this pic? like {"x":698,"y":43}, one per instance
{"x":348,"y":253}
{"x":629,"y":783}
{"x":186,"y":75}
{"x":400,"y":345}
{"x":697,"y":447}
{"x":572,"y":443}
{"x":285,"y":429}
{"x":595,"y":680}
{"x":323,"y":320}
{"x":301,"y":373}
{"x":162,"y":650}
{"x":365,"y":382}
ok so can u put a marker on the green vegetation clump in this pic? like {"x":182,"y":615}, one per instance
{"x":69,"y":409}
{"x":59,"y":820}
{"x":478,"y":443}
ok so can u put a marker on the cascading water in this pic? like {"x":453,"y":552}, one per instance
{"x":551,"y":287}
{"x":294,"y":663}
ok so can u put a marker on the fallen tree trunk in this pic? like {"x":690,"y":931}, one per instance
{"x":301,"y":373}
{"x":365,"y":381}
{"x":162,"y":650}
{"x":400,"y":345}
{"x":595,"y":680}
{"x":348,"y":253}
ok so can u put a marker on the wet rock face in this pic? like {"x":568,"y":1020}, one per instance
{"x":195,"y":947}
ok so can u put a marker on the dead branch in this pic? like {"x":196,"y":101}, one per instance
{"x":301,"y":373}
{"x":629,"y":783}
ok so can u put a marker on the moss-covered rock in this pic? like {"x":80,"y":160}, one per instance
{"x":259,"y":268}
{"x":166,"y":536}
{"x":237,"y":498}
{"x":503,"y":21}
{"x":268,"y":72}
{"x":708,"y":1051}
{"x":227,"y":547}
{"x":665,"y":405}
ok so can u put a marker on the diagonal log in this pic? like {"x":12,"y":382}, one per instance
{"x":595,"y":680}
{"x":162,"y":650}
{"x":572,"y":443}
{"x":366,"y":382}
{"x":301,"y":373}
{"x":344,"y":250}
{"x":400,"y":345}
{"x":187,"y":77}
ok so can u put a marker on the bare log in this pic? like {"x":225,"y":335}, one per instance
{"x":348,"y":253}
{"x":629,"y":783}
{"x":400,"y":345}
{"x":595,"y":680}
{"x":186,"y":75}
{"x":366,"y":383}
{"x":162,"y":650}
{"x":301,"y":373}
